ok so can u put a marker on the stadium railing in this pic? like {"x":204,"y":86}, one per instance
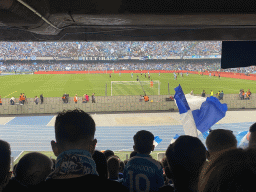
{"x":111,"y":104}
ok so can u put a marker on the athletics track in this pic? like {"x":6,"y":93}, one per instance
{"x":113,"y":131}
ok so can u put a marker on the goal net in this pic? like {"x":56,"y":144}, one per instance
{"x":135,"y":88}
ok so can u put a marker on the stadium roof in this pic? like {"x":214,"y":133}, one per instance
{"x":127,"y":20}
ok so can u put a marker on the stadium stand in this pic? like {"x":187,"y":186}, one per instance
{"x":118,"y":49}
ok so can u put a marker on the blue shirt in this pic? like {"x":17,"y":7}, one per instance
{"x":143,"y":173}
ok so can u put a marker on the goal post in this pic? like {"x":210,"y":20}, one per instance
{"x":135,"y":88}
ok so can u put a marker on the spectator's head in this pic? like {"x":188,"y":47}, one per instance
{"x":5,"y":160}
{"x":233,"y":171}
{"x":252,"y":138}
{"x":74,"y":130}
{"x":33,"y":168}
{"x":186,"y":155}
{"x":113,"y":167}
{"x":101,"y":163}
{"x":219,"y":140}
{"x":108,"y":153}
{"x":143,"y":142}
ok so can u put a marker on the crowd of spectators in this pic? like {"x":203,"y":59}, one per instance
{"x":174,"y":65}
{"x":116,"y":49}
{"x":188,"y":165}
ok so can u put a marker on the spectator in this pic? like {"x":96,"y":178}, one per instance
{"x":218,"y":95}
{"x":143,"y":166}
{"x":20,"y":99}
{"x":84,"y":99}
{"x":221,"y":95}
{"x":113,"y":169}
{"x":146,"y":98}
{"x":75,"y":99}
{"x":218,"y":141}
{"x":36,"y":100}
{"x":23,"y":98}
{"x":101,"y":163}
{"x":64,"y":98}
{"x":5,"y":154}
{"x":87,"y":98}
{"x":185,"y":158}
{"x":249,"y":94}
{"x":93,"y":98}
{"x":233,"y":171}
{"x":42,"y":98}
{"x":74,"y":146}
{"x":203,"y":93}
{"x":240,"y":94}
{"x":108,"y":153}
{"x":141,"y":98}
{"x":12,"y":101}
{"x":245,"y":96}
{"x":32,"y":169}
{"x":252,"y":137}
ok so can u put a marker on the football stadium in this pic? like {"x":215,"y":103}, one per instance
{"x":115,"y":100}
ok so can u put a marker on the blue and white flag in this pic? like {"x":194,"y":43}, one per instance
{"x":243,"y":139}
{"x":174,"y":138}
{"x":156,"y":141}
{"x":198,"y":114}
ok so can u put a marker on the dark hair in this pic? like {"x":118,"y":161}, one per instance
{"x":233,"y":171}
{"x":253,"y":127}
{"x":33,"y":168}
{"x":220,"y":139}
{"x":108,"y":153}
{"x":186,"y":155}
{"x":5,"y":160}
{"x":113,"y":165}
{"x":74,"y":125}
{"x":101,"y":163}
{"x":143,"y":141}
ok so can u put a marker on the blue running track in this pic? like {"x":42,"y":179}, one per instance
{"x":32,"y":134}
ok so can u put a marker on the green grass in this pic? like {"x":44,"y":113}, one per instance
{"x":80,"y":84}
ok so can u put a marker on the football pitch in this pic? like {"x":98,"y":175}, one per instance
{"x":58,"y":84}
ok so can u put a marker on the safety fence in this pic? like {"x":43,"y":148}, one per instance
{"x":111,"y":104}
{"x":110,"y":99}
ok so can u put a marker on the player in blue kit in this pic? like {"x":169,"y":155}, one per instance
{"x":142,"y":172}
